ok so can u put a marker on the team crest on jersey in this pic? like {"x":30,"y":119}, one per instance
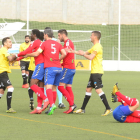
{"x":67,"y":43}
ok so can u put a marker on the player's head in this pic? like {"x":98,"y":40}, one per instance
{"x":48,"y":33}
{"x":62,"y":34}
{"x":95,"y":35}
{"x":27,"y":38}
{"x":47,"y":28}
{"x":7,"y":42}
{"x":41,"y":36}
{"x":35,"y":34}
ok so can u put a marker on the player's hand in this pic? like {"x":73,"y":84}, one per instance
{"x":81,"y":52}
{"x":25,"y":56}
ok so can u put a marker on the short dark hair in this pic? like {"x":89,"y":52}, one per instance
{"x":36,"y":32}
{"x":4,"y":40}
{"x":63,"y":31}
{"x":47,"y":28}
{"x":97,"y":33}
{"x":49,"y":32}
{"x":27,"y":36}
{"x":41,"y":36}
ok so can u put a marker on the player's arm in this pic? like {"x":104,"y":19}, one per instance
{"x":63,"y":54}
{"x":28,"y":50}
{"x":34,"y":54}
{"x":11,"y":57}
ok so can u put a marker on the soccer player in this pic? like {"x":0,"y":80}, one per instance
{"x":59,"y":94}
{"x":24,"y":63}
{"x":95,"y":54}
{"x":38,"y":73}
{"x":68,"y":71}
{"x":126,"y":112}
{"x":51,"y":50}
{"x":5,"y":58}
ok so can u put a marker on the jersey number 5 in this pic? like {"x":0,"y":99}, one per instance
{"x":54,"y":49}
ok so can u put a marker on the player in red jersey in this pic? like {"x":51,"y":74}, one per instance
{"x":51,"y":50}
{"x":126,"y":112}
{"x":68,"y":71}
{"x":38,"y":73}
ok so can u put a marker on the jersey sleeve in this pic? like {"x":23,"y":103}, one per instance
{"x":6,"y":54}
{"x":27,"y":51}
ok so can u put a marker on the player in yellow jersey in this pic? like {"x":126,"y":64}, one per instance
{"x":95,"y":54}
{"x":5,"y":58}
{"x":24,"y":63}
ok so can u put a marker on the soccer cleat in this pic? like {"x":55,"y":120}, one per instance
{"x":71,"y":109}
{"x":11,"y":111}
{"x":107,"y":111}
{"x":79,"y":111}
{"x":31,"y":104}
{"x":114,"y":98}
{"x":25,"y":86}
{"x":51,"y":110}
{"x":36,"y":111}
{"x":45,"y":105}
{"x":61,"y":106}
{"x":115,"y":89}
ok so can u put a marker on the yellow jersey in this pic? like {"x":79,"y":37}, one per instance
{"x":23,"y":47}
{"x":32,"y":64}
{"x":4,"y":62}
{"x":96,"y":63}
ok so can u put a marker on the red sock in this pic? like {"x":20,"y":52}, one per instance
{"x":132,"y":119}
{"x":136,"y":113}
{"x":65,"y":94}
{"x":54,"y":96}
{"x":38,"y":91}
{"x":69,"y":89}
{"x":128,"y":100}
{"x":120,"y":100}
{"x":40,"y":100}
{"x":50,"y":96}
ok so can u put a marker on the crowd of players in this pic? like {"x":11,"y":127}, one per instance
{"x":41,"y":61}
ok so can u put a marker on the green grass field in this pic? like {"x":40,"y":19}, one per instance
{"x":60,"y":126}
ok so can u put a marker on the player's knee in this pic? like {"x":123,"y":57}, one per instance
{"x":88,"y":89}
{"x":11,"y":89}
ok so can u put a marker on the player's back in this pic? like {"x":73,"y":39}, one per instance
{"x":68,"y":61}
{"x":51,"y":53}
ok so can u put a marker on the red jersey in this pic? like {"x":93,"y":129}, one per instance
{"x":33,"y":48}
{"x":68,"y":61}
{"x":51,"y":50}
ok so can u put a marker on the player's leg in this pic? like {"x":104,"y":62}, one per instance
{"x":132,"y":119}
{"x":38,"y":74}
{"x":69,"y":83}
{"x":54,"y":93}
{"x":2,"y":89}
{"x":128,"y":100}
{"x":26,"y":69}
{"x":6,"y":83}
{"x":23,"y":67}
{"x":60,"y":105}
{"x":30,"y":91}
{"x":64,"y":79}
{"x":97,"y":80}
{"x":88,"y":94}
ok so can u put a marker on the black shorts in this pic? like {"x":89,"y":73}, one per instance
{"x":30,"y":76}
{"x":4,"y":80}
{"x":95,"y":81}
{"x":24,"y":65}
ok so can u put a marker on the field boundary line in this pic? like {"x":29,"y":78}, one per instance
{"x":89,"y":130}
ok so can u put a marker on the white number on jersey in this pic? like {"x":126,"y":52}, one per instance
{"x":54,"y":49}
